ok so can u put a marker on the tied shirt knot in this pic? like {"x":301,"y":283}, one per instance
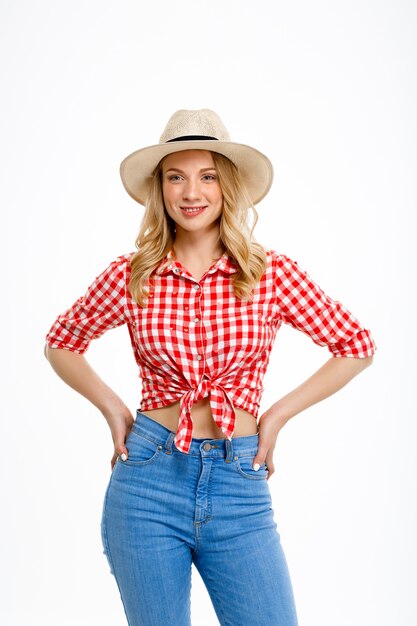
{"x":221,"y":405}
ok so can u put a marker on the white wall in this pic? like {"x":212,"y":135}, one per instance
{"x":328,"y":91}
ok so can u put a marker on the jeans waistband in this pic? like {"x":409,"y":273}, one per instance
{"x":242,"y":446}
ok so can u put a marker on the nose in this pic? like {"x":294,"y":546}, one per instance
{"x":192,"y":189}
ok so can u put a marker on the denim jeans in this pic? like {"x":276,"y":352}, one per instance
{"x":164,"y":510}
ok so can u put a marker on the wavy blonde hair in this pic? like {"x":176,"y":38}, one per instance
{"x":157,"y":234}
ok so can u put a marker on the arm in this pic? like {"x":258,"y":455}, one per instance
{"x":101,"y":308}
{"x":76,"y":372}
{"x":331,"y":377}
{"x":306,"y":307}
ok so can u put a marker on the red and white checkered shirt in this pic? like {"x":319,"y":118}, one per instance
{"x":195,"y":339}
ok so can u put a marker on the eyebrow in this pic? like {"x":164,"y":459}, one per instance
{"x":204,"y":169}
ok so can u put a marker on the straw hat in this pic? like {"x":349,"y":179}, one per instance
{"x":196,"y":130}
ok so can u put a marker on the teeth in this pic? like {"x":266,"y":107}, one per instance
{"x":193,"y":210}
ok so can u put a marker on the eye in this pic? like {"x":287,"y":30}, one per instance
{"x":209,"y":177}
{"x":174,"y":177}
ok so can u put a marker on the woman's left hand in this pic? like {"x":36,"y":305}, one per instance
{"x":269,"y":427}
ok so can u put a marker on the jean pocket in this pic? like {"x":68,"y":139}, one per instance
{"x":141,"y":451}
{"x":244,"y":465}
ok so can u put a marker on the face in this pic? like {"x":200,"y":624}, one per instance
{"x":191,"y":190}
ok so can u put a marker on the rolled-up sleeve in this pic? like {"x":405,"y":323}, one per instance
{"x":306,"y":307}
{"x":101,"y":308}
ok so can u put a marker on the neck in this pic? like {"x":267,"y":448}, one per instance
{"x":195,"y":246}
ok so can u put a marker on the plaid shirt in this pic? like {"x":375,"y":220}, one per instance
{"x":195,"y":339}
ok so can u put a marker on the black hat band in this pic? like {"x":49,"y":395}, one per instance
{"x":192,"y":138}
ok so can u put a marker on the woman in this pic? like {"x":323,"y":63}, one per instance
{"x":203,"y":303}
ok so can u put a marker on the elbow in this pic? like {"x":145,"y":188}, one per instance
{"x":358,"y":363}
{"x":366,"y":361}
{"x":47,"y":352}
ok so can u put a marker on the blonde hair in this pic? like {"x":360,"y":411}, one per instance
{"x":157,"y":233}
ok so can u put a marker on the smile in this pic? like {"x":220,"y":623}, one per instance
{"x":194,"y":210}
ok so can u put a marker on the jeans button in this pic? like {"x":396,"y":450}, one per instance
{"x":207,"y":446}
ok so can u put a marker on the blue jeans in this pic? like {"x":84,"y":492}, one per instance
{"x":164,"y":510}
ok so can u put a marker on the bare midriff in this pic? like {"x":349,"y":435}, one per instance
{"x":204,"y":426}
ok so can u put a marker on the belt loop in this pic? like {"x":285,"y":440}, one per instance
{"x":229,"y":451}
{"x":169,"y":442}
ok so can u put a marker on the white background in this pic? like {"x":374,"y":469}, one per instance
{"x":327,"y":90}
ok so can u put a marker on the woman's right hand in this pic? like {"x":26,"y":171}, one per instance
{"x":120,"y":425}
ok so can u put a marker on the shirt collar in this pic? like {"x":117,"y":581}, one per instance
{"x":170,"y":264}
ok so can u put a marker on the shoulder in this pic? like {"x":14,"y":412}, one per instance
{"x":279,"y":260}
{"x":120,"y":264}
{"x":123,"y":260}
{"x":115,"y":274}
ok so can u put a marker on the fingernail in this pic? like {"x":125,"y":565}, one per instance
{"x":123,"y":456}
{"x":256,"y":467}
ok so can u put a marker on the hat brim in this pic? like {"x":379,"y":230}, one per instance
{"x":136,"y":170}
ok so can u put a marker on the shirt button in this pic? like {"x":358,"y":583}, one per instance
{"x":207,"y":446}
{"x":199,"y":357}
{"x":196,"y":287}
{"x":196,"y":320}
{"x":177,"y":270}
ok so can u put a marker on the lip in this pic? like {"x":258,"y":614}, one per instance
{"x":186,"y":210}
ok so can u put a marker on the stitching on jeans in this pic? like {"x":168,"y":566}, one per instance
{"x":139,"y":434}
{"x":104,"y":528}
{"x":242,"y":472}
{"x":209,"y":508}
{"x":107,"y":546}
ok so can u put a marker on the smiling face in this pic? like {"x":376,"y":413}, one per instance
{"x":191,"y":190}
